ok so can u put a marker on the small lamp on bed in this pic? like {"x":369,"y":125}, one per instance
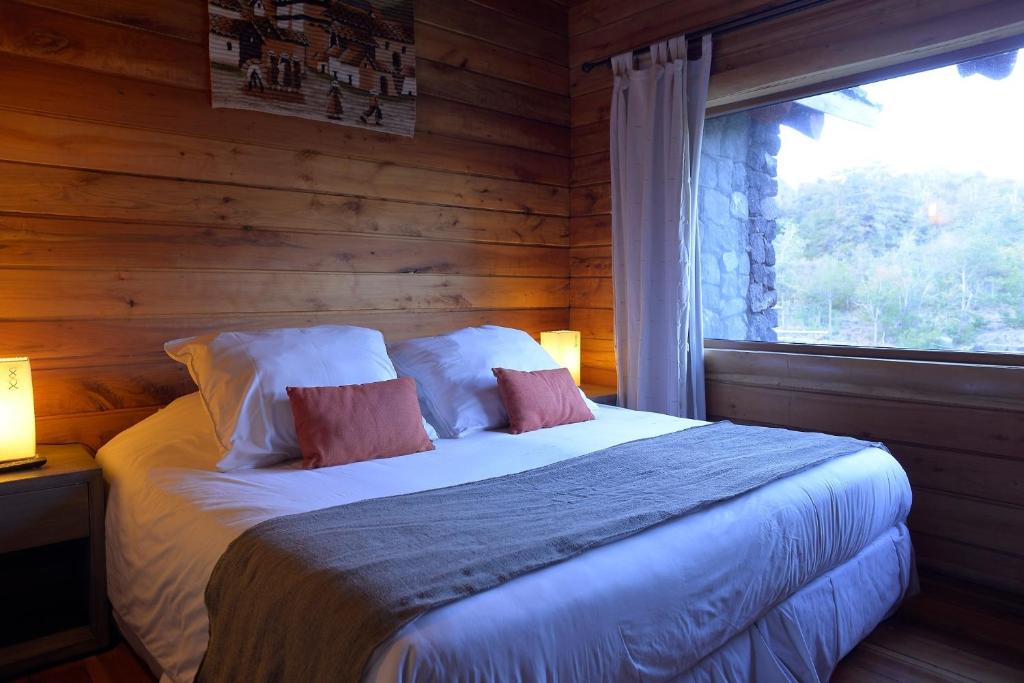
{"x":564,"y":347}
{"x":17,"y":416}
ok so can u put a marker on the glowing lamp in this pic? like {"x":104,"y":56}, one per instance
{"x":564,"y":347}
{"x":17,"y":412}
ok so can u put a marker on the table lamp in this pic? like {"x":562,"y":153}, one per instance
{"x":564,"y":347}
{"x":17,"y":416}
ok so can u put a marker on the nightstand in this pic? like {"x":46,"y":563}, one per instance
{"x":599,"y":393}
{"x":53,"y":583}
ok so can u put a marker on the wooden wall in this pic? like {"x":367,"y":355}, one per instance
{"x":958,"y":430}
{"x":132,"y":213}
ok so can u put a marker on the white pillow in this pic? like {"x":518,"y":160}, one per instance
{"x":458,"y":392}
{"x":242,"y":378}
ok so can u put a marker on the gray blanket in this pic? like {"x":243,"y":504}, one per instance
{"x":308,"y":597}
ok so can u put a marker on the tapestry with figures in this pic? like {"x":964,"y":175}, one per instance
{"x":351,"y":62}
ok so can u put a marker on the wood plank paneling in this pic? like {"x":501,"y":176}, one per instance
{"x":132,"y":213}
{"x":591,"y":200}
{"x":847,"y":37}
{"x":73,"y":193}
{"x":84,"y":244}
{"x":460,"y":85}
{"x":957,"y":430}
{"x":593,"y":323}
{"x":66,"y":294}
{"x":509,"y":27}
{"x":969,"y":561}
{"x":590,"y":138}
{"x":994,"y":526}
{"x":445,"y":129}
{"x":75,"y":390}
{"x":636,"y":24}
{"x":59,"y":39}
{"x":93,"y":428}
{"x":184,"y":19}
{"x":70,"y":341}
{"x":992,"y":431}
{"x":988,"y":477}
{"x":450,"y":135}
{"x":591,"y":168}
{"x":30,"y":139}
{"x":591,"y":230}
{"x":455,"y":49}
{"x":592,"y":292}
{"x":156,"y":155}
{"x":590,"y":262}
{"x":84,"y":36}
{"x":946,"y":384}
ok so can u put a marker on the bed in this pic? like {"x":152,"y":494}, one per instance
{"x":805,"y":568}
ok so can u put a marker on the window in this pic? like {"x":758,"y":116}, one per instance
{"x":888,"y":215}
{"x":228,"y":45}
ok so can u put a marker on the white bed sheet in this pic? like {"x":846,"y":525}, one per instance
{"x":681,"y":590}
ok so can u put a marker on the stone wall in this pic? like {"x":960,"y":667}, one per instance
{"x":738,"y":211}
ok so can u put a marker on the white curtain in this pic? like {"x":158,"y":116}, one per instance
{"x":657,"y":122}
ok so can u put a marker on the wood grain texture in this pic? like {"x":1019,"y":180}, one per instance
{"x":46,"y":242}
{"x":132,"y":213}
{"x":38,"y":88}
{"x":31,"y":139}
{"x":512,"y":25}
{"x":601,"y":28}
{"x":957,"y":430}
{"x":67,"y":294}
{"x":73,"y":193}
{"x":74,"y":342}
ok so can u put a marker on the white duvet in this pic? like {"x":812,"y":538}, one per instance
{"x":652,"y":605}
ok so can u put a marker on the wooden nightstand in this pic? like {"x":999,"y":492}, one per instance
{"x":53,"y":583}
{"x":601,"y":394}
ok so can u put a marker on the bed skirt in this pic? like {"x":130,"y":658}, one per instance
{"x":800,"y":640}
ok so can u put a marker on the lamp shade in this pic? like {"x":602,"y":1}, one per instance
{"x":564,"y":347}
{"x":17,"y":412}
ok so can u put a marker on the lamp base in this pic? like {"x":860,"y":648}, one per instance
{"x":23,"y":464}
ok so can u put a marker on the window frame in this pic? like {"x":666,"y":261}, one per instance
{"x":874,"y":352}
{"x":853,"y":80}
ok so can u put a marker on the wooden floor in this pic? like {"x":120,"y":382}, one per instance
{"x":950,"y":633}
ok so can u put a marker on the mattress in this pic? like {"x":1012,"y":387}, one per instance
{"x":662,"y":600}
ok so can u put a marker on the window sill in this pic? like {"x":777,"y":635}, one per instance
{"x":878,"y":353}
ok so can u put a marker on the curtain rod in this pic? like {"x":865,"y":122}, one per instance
{"x":726,"y":27}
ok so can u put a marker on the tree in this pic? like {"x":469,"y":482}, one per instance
{"x":929,"y":260}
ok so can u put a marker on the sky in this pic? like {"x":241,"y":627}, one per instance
{"x":934,"y":119}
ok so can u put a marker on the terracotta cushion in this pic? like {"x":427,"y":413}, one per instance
{"x":341,"y":425}
{"x":540,"y":398}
